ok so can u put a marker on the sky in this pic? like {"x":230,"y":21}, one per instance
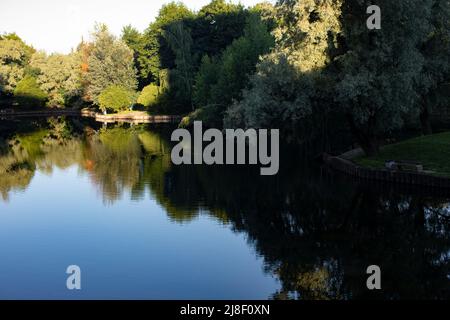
{"x":59,"y":25}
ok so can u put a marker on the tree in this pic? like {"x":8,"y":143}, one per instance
{"x":180,"y":41}
{"x":435,"y":49}
{"x":135,"y":41}
{"x":28,"y":92}
{"x":375,"y":74}
{"x":220,"y":82}
{"x":116,"y":97}
{"x":156,"y":53}
{"x":337,"y":63}
{"x":278,"y":97}
{"x":284,"y":90}
{"x":206,"y":77}
{"x":14,"y":57}
{"x":58,"y":75}
{"x":216,"y":26}
{"x":110,"y":63}
{"x":239,"y":61}
{"x":149,"y":95}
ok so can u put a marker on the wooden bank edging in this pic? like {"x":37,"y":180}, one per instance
{"x":141,"y":118}
{"x":137,"y":118}
{"x":400,"y":177}
{"x":47,"y":113}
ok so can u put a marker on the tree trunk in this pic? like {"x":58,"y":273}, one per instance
{"x":425,"y":120}
{"x":366,"y":138}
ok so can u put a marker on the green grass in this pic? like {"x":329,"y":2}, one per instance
{"x":432,"y":151}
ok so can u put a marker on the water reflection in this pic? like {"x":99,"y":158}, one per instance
{"x":317,"y":232}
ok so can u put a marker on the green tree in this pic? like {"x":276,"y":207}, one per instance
{"x":180,"y":41}
{"x":116,"y":98}
{"x":206,"y":77}
{"x":149,"y":95}
{"x":28,"y":92}
{"x":239,"y":61}
{"x":14,"y":58}
{"x":334,"y":62}
{"x":110,"y":63}
{"x":156,"y":54}
{"x":216,"y":26}
{"x":283,"y":91}
{"x":59,"y":76}
{"x":435,"y":49}
{"x":219,"y":83}
{"x":135,"y":41}
{"x":375,"y":74}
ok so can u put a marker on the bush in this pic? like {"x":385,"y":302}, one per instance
{"x":149,"y":96}
{"x":28,"y":92}
{"x":211,"y":117}
{"x":116,"y":98}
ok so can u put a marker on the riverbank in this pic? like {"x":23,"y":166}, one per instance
{"x":431,"y":153}
{"x":134,"y":116}
{"x":131,"y":116}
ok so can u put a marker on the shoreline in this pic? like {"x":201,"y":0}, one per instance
{"x":349,"y":168}
{"x":134,"y":117}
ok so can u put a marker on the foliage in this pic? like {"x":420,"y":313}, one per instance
{"x":283,"y":91}
{"x":116,"y":97}
{"x":181,"y":78}
{"x":435,"y":48}
{"x":376,"y":73}
{"x":279,"y":95}
{"x":216,"y":26}
{"x":326,"y":59}
{"x":28,"y":92}
{"x":155,"y":53}
{"x":221,"y":83}
{"x":149,"y":95}
{"x":209,"y":115}
{"x":205,"y":78}
{"x":14,"y":57}
{"x":134,"y":40}
{"x":58,"y":75}
{"x":110,"y":63}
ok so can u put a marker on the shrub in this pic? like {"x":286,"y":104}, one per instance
{"x":116,"y":98}
{"x":28,"y":92}
{"x":149,"y":95}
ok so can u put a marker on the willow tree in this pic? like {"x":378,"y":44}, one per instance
{"x":335,"y":63}
{"x":435,"y":49}
{"x":284,"y":90}
{"x":375,"y":75}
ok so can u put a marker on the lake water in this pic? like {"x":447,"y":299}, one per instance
{"x":108,"y":199}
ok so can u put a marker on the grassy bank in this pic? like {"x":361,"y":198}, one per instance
{"x":432,"y":151}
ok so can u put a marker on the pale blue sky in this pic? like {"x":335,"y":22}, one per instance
{"x":58,"y":25}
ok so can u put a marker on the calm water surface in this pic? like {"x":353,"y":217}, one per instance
{"x":108,"y":199}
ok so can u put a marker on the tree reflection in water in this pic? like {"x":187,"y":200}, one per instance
{"x":317,"y":231}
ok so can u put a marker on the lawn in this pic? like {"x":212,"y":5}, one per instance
{"x":432,"y":151}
